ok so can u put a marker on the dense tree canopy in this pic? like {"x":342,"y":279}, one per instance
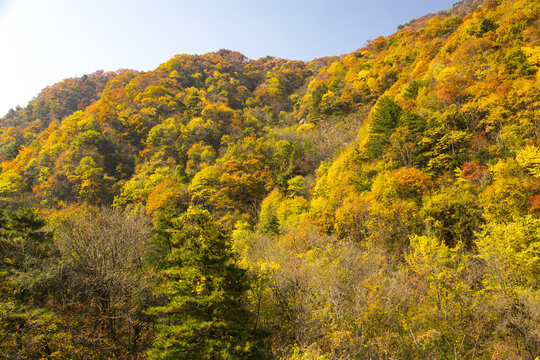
{"x":382,"y":204}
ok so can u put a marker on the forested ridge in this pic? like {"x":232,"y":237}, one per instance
{"x":382,"y":204}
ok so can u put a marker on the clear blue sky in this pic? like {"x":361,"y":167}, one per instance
{"x":45,"y":41}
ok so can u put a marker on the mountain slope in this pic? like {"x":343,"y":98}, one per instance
{"x":384,"y":203}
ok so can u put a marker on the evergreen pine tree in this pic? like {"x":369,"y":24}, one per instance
{"x":384,"y":122}
{"x":204,"y":317}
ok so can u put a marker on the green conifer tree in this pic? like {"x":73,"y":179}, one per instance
{"x":204,"y":317}
{"x":384,"y":122}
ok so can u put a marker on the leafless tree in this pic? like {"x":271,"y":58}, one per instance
{"x":103,"y":274}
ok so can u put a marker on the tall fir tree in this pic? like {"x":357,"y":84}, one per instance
{"x":384,"y":121}
{"x":204,"y":317}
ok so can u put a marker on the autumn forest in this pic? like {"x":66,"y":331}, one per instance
{"x":383,"y":204}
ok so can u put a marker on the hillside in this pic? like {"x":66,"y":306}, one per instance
{"x":382,"y":204}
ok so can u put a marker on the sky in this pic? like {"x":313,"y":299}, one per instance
{"x":44,"y":42}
